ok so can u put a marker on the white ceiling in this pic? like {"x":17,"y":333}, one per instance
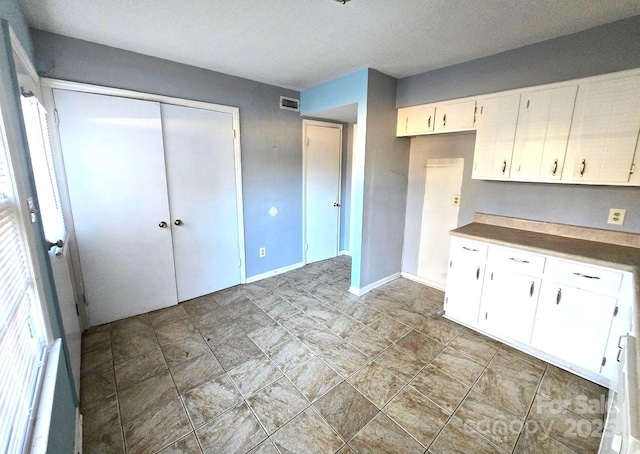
{"x":301,"y":43}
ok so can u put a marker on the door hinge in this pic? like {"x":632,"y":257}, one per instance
{"x":486,"y":314}
{"x":235,"y":134}
{"x":77,"y":311}
{"x":307,"y":140}
{"x":615,"y":311}
{"x":86,"y":300}
{"x":55,"y":114}
{"x":604,"y":360}
{"x":306,"y":247}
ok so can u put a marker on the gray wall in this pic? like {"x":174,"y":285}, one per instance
{"x":385,"y":183}
{"x":62,"y":428}
{"x":270,"y":137}
{"x":604,"y":49}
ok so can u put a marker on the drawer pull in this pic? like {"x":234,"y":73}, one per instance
{"x":559,"y":296}
{"x":533,"y":284}
{"x":586,"y":276}
{"x":469,"y":249}
{"x":619,"y":354}
{"x":478,"y":273}
{"x":518,"y":260}
{"x":555,"y":167}
{"x":504,"y":166}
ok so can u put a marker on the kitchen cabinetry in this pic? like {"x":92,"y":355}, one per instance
{"x":510,"y":293}
{"x":416,"y":120}
{"x":457,"y":116}
{"x":544,"y":121}
{"x":562,"y":311}
{"x":496,"y":120}
{"x":605,"y":130}
{"x":464,"y":279}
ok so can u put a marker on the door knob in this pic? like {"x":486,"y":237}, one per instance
{"x":336,"y":204}
{"x":58,"y":243}
{"x":162,"y":224}
{"x":178,"y":222}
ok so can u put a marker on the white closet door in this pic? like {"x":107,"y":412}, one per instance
{"x":201,"y":177}
{"x":114,"y":163}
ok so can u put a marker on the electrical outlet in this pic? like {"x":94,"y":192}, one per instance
{"x":263,"y":251}
{"x":456,"y":199}
{"x":616,"y":216}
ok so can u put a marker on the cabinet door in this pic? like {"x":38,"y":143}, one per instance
{"x":415,"y":120}
{"x":573,"y":324}
{"x":605,"y":130}
{"x":508,"y":304}
{"x":464,"y":280}
{"x":496,"y":121}
{"x":542,"y":133}
{"x":458,"y":116}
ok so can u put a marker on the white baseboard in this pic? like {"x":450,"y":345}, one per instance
{"x":345,"y":253}
{"x":77,"y":449}
{"x":420,"y":280}
{"x":284,"y":269}
{"x":368,"y":288}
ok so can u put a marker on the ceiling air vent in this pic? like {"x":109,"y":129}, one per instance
{"x":289,"y":104}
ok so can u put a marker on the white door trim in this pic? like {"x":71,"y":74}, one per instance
{"x":324,"y":124}
{"x":47,"y":90}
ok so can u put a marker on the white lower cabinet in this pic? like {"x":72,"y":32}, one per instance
{"x":508,"y":304}
{"x":464,"y":280}
{"x":573,"y":325}
{"x":563,"y":311}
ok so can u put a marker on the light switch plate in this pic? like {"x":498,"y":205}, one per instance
{"x":616,"y":216}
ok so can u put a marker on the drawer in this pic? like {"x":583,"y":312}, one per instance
{"x":464,"y":247}
{"x":516,"y":260}
{"x":592,"y":278}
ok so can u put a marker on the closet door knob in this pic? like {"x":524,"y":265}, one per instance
{"x":336,"y":204}
{"x":162,"y":224}
{"x":178,"y":222}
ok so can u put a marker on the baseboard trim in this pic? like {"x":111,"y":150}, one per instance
{"x":345,"y":253}
{"x":284,"y":269}
{"x":368,"y":288}
{"x":420,"y":280}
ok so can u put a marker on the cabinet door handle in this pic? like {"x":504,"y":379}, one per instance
{"x":583,"y":167}
{"x":619,"y":355}
{"x":533,"y":284}
{"x":478,"y":273}
{"x":620,"y":341}
{"x":559,"y":296}
{"x":518,"y":260}
{"x":586,"y":276}
{"x":444,"y":120}
{"x":429,"y":122}
{"x":504,"y":166}
{"x":469,"y":249}
{"x":555,"y":167}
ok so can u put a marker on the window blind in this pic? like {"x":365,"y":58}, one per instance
{"x":22,"y":340}
{"x":35,"y":119}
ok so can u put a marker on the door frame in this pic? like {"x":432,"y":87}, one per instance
{"x":48,"y":85}
{"x":324,"y":124}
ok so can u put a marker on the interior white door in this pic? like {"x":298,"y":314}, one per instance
{"x":443,"y":184}
{"x":114,"y":163}
{"x":201,"y":176}
{"x":323,"y":147}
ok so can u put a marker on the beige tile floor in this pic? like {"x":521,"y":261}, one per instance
{"x":296,"y":364}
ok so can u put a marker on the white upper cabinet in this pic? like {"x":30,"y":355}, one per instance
{"x":496,"y":120}
{"x":542,"y":133}
{"x":605,"y":129}
{"x":458,"y":116}
{"x":415,"y":120}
